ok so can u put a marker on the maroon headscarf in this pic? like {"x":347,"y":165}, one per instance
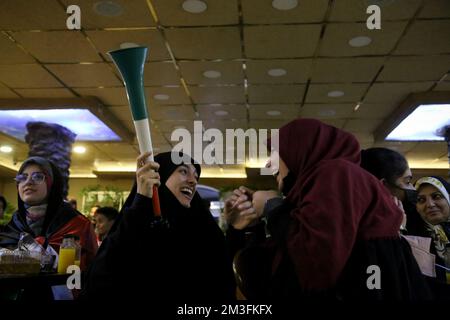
{"x":336,"y":202}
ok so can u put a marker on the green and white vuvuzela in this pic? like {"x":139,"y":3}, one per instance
{"x":130,"y":62}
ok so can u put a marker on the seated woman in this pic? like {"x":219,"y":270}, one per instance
{"x":181,"y":258}
{"x":43,"y":213}
{"x":336,"y":226}
{"x":433,"y":205}
{"x":104,"y":219}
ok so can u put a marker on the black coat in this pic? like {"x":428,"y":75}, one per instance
{"x":183,"y":260}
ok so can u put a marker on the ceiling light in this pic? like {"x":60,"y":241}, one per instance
{"x":284,"y":4}
{"x":79,"y":149}
{"x":161,"y":97}
{"x":422,"y":124}
{"x":194,"y":6}
{"x":360,"y":41}
{"x":83,"y":122}
{"x":5,"y":149}
{"x":221,"y":113}
{"x":335,"y":93}
{"x":273,"y":113}
{"x":126,"y":45}
{"x":212,"y":74}
{"x":277,"y":72}
{"x":108,"y":8}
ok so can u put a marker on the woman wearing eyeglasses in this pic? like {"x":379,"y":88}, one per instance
{"x":44,"y":214}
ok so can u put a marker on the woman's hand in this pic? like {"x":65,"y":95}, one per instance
{"x":400,"y":206}
{"x":260,"y":198}
{"x":146,"y":175}
{"x":239,"y":211}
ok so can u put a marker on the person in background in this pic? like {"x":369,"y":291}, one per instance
{"x":104,"y":220}
{"x":73,"y":203}
{"x":392,"y":169}
{"x":433,"y":205}
{"x":91,"y":214}
{"x":2,"y":210}
{"x":44,"y":214}
{"x":335,"y":221}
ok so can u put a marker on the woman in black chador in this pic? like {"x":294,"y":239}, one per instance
{"x":182,"y":258}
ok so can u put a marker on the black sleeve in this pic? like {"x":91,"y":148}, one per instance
{"x":239,"y":239}
{"x":277,"y":213}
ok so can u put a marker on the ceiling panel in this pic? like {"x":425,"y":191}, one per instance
{"x":319,"y":93}
{"x":287,"y":41}
{"x":327,"y":111}
{"x":42,"y":15}
{"x":267,"y":124}
{"x":204,"y":43}
{"x":355,"y":10}
{"x":27,"y":76}
{"x":417,"y":68}
{"x":276,"y":93}
{"x":442,"y":86}
{"x":435,"y":9}
{"x":286,"y":112}
{"x":108,"y":96}
{"x":429,"y":149}
{"x":223,"y":125}
{"x":10,"y":53}
{"x":335,"y":42}
{"x":328,"y":70}
{"x":297,"y":71}
{"x":135,"y":13}
{"x":230,"y":72}
{"x":394,"y":93}
{"x":425,"y":37}
{"x":109,"y":40}
{"x":218,"y":12}
{"x":375,"y":111}
{"x":176,"y":95}
{"x":167,"y":126}
{"x":57,"y":46}
{"x":46,"y":93}
{"x":172,"y":113}
{"x":338,"y":123}
{"x":262,"y":12}
{"x":160,"y":73}
{"x":366,"y":126}
{"x":207,"y":111}
{"x":224,"y":95}
{"x":86,"y":75}
{"x":6,"y":93}
{"x":117,"y":150}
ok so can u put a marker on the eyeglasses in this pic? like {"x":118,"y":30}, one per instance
{"x":36,"y":178}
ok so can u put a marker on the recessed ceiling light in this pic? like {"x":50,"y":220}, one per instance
{"x":126,"y":45}
{"x":212,"y":74}
{"x":277,"y":72}
{"x":423,"y":123}
{"x":194,"y":6}
{"x":5,"y":149}
{"x":327,"y":113}
{"x":79,"y":149}
{"x":335,"y":94}
{"x":221,"y":113}
{"x":160,"y":96}
{"x":273,"y":113}
{"x":284,"y":4}
{"x":360,"y":41}
{"x":108,"y":8}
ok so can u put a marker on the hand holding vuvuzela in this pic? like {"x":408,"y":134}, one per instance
{"x":130,"y":62}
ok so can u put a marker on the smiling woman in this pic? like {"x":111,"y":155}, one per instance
{"x":182,"y":257}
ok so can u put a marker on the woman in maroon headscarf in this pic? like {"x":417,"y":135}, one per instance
{"x":336,"y":233}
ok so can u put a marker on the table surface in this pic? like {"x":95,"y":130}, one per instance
{"x":32,"y":280}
